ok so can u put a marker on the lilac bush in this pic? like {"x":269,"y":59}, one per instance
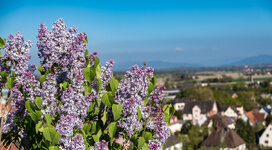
{"x":74,"y":102}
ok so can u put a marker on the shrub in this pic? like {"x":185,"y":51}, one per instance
{"x":74,"y":103}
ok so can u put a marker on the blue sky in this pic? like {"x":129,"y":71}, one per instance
{"x":206,"y":32}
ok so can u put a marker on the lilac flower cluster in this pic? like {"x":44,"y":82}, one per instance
{"x":60,"y":47}
{"x":102,"y":145}
{"x":30,"y":84}
{"x":48,"y":95}
{"x":106,"y":73}
{"x":77,"y":143}
{"x":63,"y":51}
{"x":16,"y":57}
{"x":16,"y":53}
{"x":161,"y":131}
{"x":130,"y":94}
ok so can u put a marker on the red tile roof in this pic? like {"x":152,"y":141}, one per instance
{"x":255,"y":116}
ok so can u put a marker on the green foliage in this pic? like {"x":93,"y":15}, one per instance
{"x":107,"y":98}
{"x":51,"y":135}
{"x":117,"y":111}
{"x":112,"y":129}
{"x":268,"y":119}
{"x":100,"y":123}
{"x":168,"y":111}
{"x":246,"y":132}
{"x":199,"y":93}
{"x":2,"y":42}
{"x":186,"y":127}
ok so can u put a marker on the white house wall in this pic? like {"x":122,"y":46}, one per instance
{"x":266,"y":137}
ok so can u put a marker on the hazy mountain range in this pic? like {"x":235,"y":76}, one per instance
{"x":161,"y":65}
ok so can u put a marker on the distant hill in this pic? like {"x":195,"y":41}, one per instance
{"x":158,"y":65}
{"x":260,"y":59}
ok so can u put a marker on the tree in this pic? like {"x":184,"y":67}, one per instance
{"x":199,"y":93}
{"x":186,"y":127}
{"x":76,"y":103}
{"x":196,"y":135}
{"x":268,"y":119}
{"x":246,"y":132}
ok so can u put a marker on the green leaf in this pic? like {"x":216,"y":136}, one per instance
{"x":117,"y":110}
{"x":105,"y":116}
{"x":4,"y":75}
{"x":145,"y":101}
{"x":38,"y":102}
{"x":10,"y":82}
{"x":38,"y":126}
{"x":139,"y":114}
{"x":95,"y":138}
{"x":141,"y":143}
{"x":150,"y":88}
{"x":148,"y":135}
{"x":96,"y":111}
{"x":48,"y":119}
{"x":51,"y":135}
{"x":85,"y":40}
{"x":86,"y":53}
{"x":107,"y":99}
{"x":13,"y":73}
{"x":154,"y":80}
{"x":98,"y":71}
{"x":112,"y":129}
{"x":35,"y":116}
{"x":166,"y":118}
{"x":2,"y":42}
{"x":87,"y":89}
{"x":42,"y":78}
{"x":168,"y":109}
{"x":113,"y":84}
{"x":145,"y":147}
{"x":54,"y":148}
{"x":99,"y":84}
{"x":99,"y":133}
{"x":40,"y":68}
{"x":87,"y":127}
{"x":89,"y":74}
{"x":96,"y":62}
{"x":65,"y":85}
{"x":28,"y":106}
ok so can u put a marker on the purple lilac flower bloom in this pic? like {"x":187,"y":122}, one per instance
{"x":62,"y":51}
{"x":16,"y":53}
{"x":160,"y":129}
{"x":61,"y":46}
{"x":77,"y":143}
{"x":130,"y":94}
{"x":106,"y":73}
{"x":48,"y":95}
{"x":102,"y":145}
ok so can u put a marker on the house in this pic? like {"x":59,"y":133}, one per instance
{"x":230,"y":111}
{"x":240,"y":108}
{"x":197,"y":111}
{"x":267,"y":110}
{"x":175,"y":125}
{"x":224,"y":139}
{"x":180,"y":103}
{"x":233,"y":94}
{"x":266,"y":138}
{"x":173,"y":143}
{"x":254,"y":117}
{"x":220,"y":121}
